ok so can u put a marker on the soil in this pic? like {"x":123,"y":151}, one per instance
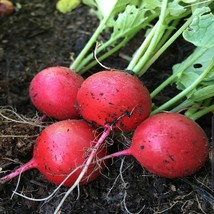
{"x":36,"y":36}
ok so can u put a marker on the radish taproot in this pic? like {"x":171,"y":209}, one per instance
{"x":53,"y":92}
{"x":112,"y":96}
{"x":169,"y":145}
{"x":60,"y":149}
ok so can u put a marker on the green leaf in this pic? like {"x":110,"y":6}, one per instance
{"x":175,"y":9}
{"x":186,"y":79}
{"x":189,"y":1}
{"x":202,"y":62}
{"x":202,"y":58}
{"x":128,"y":21}
{"x":203,"y":93}
{"x":91,"y":3}
{"x":152,"y":5}
{"x":65,"y":6}
{"x":103,"y":8}
{"x":191,"y":69}
{"x":201,"y":30}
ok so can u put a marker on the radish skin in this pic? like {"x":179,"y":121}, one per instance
{"x":53,"y":92}
{"x":114,"y":98}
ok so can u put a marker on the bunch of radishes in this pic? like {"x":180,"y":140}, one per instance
{"x":73,"y":150}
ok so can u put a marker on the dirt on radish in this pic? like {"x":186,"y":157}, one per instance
{"x":27,"y":47}
{"x":110,"y":93}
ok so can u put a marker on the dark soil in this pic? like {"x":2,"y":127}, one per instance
{"x":37,"y":36}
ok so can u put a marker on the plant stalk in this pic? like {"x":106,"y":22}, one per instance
{"x":182,"y":94}
{"x":157,"y":35}
{"x":92,"y":40}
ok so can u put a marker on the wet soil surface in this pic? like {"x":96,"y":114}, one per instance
{"x":36,"y":36}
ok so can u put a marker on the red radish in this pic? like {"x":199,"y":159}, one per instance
{"x":6,"y":7}
{"x":60,"y":149}
{"x":110,"y":96}
{"x":53,"y":91}
{"x":169,"y":145}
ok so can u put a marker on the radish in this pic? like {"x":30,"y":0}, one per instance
{"x":60,"y":149}
{"x":169,"y":145}
{"x":6,"y":7}
{"x":53,"y":91}
{"x":114,"y":97}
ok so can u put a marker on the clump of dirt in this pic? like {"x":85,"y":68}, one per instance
{"x":36,"y":36}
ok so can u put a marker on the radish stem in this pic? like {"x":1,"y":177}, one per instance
{"x":157,"y":35}
{"x":29,"y":165}
{"x":125,"y":152}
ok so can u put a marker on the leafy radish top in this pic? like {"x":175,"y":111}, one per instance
{"x":114,"y":97}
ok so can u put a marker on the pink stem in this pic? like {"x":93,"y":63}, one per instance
{"x":42,"y":118}
{"x":29,"y":165}
{"x":117,"y":154}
